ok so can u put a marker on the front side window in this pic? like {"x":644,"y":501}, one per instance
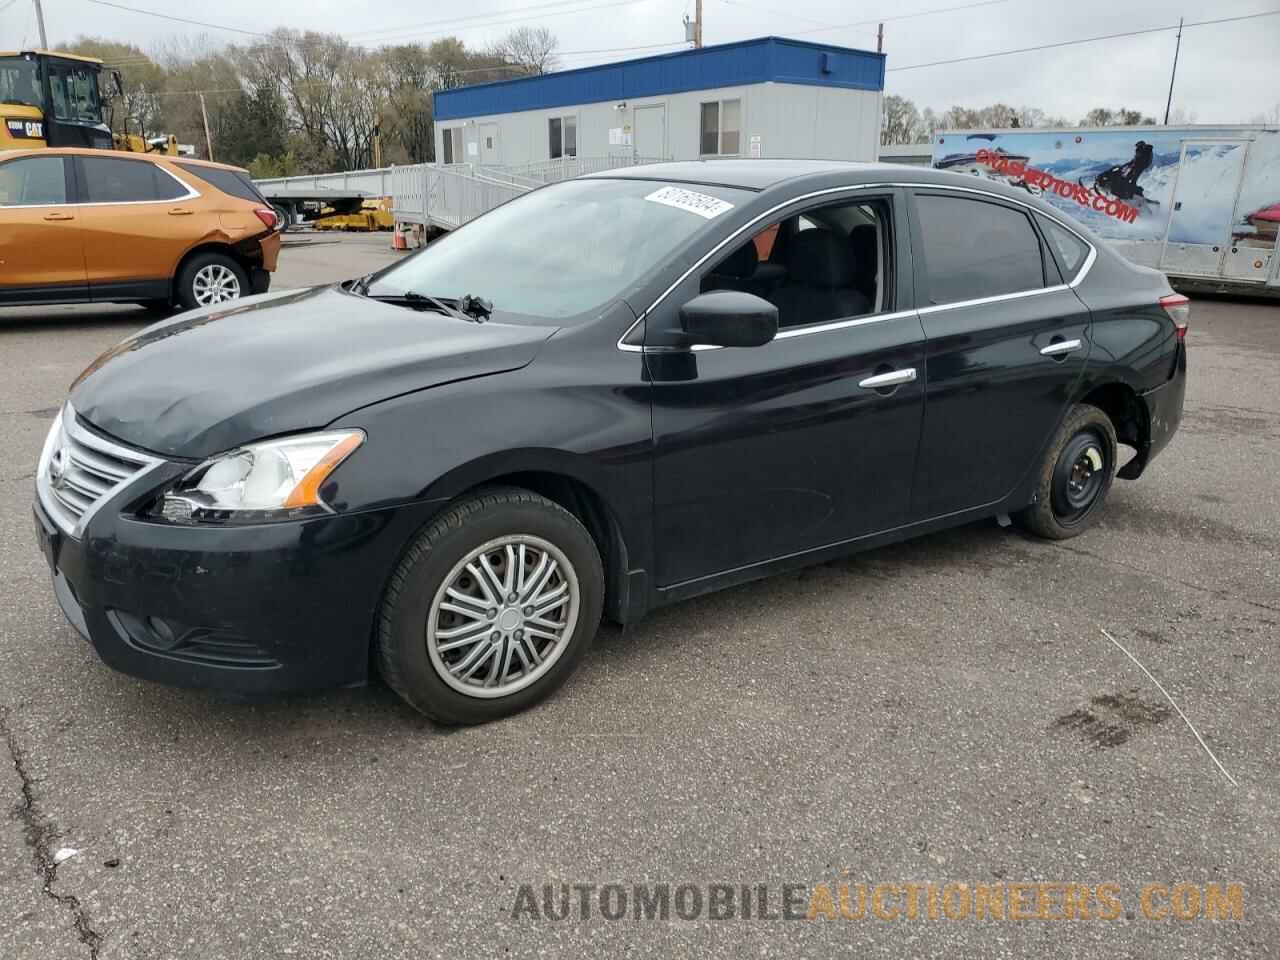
{"x":563,"y":250}
{"x":975,"y":249}
{"x":126,"y":181}
{"x":830,"y":263}
{"x":75,"y":92}
{"x":721,"y":128}
{"x":33,"y":181}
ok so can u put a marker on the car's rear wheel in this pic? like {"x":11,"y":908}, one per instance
{"x":491,"y":608}
{"x":211,"y":278}
{"x":1074,"y":477}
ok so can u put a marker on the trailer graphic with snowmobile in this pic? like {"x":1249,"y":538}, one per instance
{"x":1200,"y":203}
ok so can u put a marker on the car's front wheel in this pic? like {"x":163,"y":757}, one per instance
{"x":210,"y":278}
{"x":1074,"y":476}
{"x":491,"y":608}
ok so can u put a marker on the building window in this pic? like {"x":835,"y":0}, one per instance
{"x":453,"y":145}
{"x":562,"y":137}
{"x":721,"y":128}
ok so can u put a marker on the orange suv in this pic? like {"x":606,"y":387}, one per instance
{"x":80,"y":225}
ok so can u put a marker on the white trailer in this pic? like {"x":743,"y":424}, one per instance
{"x":1200,"y":203}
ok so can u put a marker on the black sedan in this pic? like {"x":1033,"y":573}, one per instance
{"x":607,"y":395}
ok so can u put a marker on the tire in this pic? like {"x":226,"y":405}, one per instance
{"x":282,"y":217}
{"x":1067,"y":503}
{"x":409,"y":645}
{"x":210,"y":278}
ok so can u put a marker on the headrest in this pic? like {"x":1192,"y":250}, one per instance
{"x":821,"y":259}
{"x":862,"y":239}
{"x":741,"y":264}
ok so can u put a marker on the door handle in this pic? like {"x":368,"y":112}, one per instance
{"x":891,"y":379}
{"x":59,"y":216}
{"x":179,"y":212}
{"x":1060,"y":347}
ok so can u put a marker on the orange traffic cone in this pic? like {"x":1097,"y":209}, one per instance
{"x":398,"y":241}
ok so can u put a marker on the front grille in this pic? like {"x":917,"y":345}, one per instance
{"x":80,"y":470}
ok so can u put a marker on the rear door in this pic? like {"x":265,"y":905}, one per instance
{"x":1006,"y":341}
{"x":41,"y":248}
{"x":138,"y":221}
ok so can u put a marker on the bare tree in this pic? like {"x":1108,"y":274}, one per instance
{"x":532,"y":48}
{"x":900,"y":121}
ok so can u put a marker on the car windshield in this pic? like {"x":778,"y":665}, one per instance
{"x":19,"y":81}
{"x":564,"y":249}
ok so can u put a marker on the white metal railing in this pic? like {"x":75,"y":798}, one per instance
{"x":445,"y":196}
{"x":566,"y":168}
{"x":372,"y":183}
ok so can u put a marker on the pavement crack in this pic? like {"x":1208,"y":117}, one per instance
{"x":41,"y":834}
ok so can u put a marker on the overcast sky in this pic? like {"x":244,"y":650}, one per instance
{"x":1227,"y":73}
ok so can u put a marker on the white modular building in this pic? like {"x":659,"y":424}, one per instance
{"x":768,"y":97}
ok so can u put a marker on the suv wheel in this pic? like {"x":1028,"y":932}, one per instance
{"x":491,"y":608}
{"x":1074,"y":476}
{"x":210,"y":278}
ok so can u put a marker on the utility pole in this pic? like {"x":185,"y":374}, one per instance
{"x":44,"y":42}
{"x":880,"y":39}
{"x":208,"y":140}
{"x":1177,"y":47}
{"x":697,"y":26}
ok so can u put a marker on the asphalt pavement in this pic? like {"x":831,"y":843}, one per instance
{"x":946,"y":711}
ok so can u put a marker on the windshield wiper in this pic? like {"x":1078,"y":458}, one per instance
{"x":470,"y":308}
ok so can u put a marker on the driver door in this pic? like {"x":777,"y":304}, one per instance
{"x":766,"y":452}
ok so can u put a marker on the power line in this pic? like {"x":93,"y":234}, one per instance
{"x":1071,"y":43}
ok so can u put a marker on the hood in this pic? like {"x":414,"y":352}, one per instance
{"x":213,"y":379}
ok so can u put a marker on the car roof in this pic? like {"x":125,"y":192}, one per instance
{"x":799,"y":176}
{"x":120,"y":154}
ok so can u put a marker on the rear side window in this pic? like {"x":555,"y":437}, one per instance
{"x":228,"y":181}
{"x":126,"y":181}
{"x":976,"y":249}
{"x":33,"y":181}
{"x":1070,"y":250}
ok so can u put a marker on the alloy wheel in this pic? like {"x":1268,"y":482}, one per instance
{"x":215,"y":283}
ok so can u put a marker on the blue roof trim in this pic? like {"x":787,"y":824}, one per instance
{"x":763,"y":60}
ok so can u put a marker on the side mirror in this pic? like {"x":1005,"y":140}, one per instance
{"x":729,"y":318}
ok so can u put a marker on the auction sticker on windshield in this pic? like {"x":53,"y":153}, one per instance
{"x":690,"y":201}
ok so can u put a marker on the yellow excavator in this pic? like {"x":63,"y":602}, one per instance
{"x":55,"y":100}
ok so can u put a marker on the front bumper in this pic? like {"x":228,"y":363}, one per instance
{"x":253,"y":609}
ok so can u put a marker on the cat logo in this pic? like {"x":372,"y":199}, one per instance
{"x":28,"y":129}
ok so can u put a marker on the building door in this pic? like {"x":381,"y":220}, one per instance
{"x":650,"y":137}
{"x":488,"y":143}
{"x":1204,"y":199}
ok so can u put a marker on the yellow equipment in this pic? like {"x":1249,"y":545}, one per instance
{"x":372,"y":215}
{"x":55,"y":100}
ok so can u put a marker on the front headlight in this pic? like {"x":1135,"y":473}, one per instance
{"x":273,"y":480}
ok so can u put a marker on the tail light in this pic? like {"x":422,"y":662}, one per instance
{"x":1178,"y":308}
{"x":268,"y":218}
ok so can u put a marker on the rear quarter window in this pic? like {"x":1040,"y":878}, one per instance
{"x":1069,"y":249}
{"x":230,"y":182}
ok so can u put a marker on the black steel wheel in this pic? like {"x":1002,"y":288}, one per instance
{"x":1073,"y":477}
